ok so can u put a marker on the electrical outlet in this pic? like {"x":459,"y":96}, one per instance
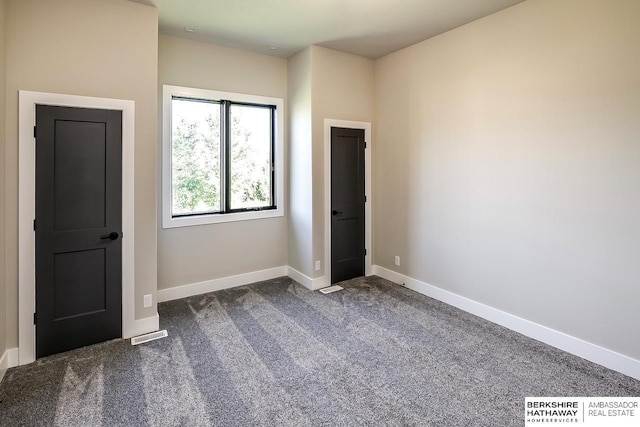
{"x":397,"y":260}
{"x":147,"y":301}
{"x":318,"y":265}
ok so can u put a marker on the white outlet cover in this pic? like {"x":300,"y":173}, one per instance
{"x":317,"y":265}
{"x":397,"y":260}
{"x":147,"y":300}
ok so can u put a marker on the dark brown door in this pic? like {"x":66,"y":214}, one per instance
{"x":78,"y":227}
{"x":347,"y":204}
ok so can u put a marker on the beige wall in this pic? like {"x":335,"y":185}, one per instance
{"x":101,"y":48}
{"x":3,"y":300}
{"x":342,"y":89}
{"x":507,"y":165}
{"x":300,"y":183}
{"x":194,"y":254}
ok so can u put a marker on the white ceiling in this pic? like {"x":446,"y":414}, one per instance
{"x":370,"y":28}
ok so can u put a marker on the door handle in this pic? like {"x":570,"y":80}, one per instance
{"x":335,"y":212}
{"x":113,"y":236}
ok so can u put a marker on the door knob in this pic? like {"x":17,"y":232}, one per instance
{"x":335,"y":212}
{"x":113,"y":236}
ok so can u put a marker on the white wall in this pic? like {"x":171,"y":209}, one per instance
{"x":105,"y":48}
{"x":300,"y":182}
{"x":188,"y":255}
{"x":507,"y":165}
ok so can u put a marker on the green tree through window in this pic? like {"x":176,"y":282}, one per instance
{"x":250,"y":157}
{"x":219,"y":168}
{"x":195,"y":157}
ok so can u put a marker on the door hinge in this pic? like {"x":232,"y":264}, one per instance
{"x":365,"y":251}
{"x":34,"y":132}
{"x":365,"y":198}
{"x":35,"y":225}
{"x":35,"y":318}
{"x":365,"y":145}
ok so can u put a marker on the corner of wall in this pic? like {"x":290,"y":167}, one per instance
{"x":300,"y":178}
{"x":342,"y":88}
{"x":3,"y":299}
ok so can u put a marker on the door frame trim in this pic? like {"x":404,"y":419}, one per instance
{"x":328,"y":124}
{"x":27,"y":205}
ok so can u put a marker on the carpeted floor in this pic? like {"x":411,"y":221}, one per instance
{"x":275,"y":353}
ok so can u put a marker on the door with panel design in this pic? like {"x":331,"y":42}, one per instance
{"x":347,"y":203}
{"x":78,"y":227}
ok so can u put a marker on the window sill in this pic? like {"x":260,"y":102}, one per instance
{"x":169,"y":222}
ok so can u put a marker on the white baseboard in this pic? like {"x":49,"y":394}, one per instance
{"x":8,"y":360}
{"x":143,"y":326}
{"x":306,"y":281}
{"x":586,"y":350}
{"x":219,"y":284}
{"x":152,"y":323}
{"x":213,"y":285}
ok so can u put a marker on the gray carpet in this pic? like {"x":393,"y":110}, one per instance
{"x":275,"y":353}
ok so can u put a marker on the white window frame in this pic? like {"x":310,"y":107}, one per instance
{"x":168,"y":221}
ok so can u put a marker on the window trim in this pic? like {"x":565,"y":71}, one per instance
{"x":168,"y":221}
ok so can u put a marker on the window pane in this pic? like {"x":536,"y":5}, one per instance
{"x":250,"y":157}
{"x":195,"y":157}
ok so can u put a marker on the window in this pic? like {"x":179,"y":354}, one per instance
{"x":222,"y":157}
